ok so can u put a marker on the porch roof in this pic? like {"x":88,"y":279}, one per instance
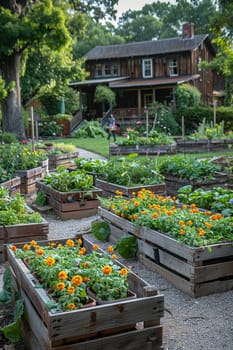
{"x":152,"y":82}
{"x":96,"y":81}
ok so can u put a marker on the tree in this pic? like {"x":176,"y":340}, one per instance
{"x":27,"y":24}
{"x":24,"y":24}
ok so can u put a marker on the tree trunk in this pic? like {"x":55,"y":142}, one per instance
{"x":12,"y":120}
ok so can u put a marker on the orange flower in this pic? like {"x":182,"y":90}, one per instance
{"x":60,"y":285}
{"x":59,"y":245}
{"x":50,"y":261}
{"x":71,"y":290}
{"x":26,"y":247}
{"x":95,"y":246}
{"x":82,"y":251}
{"x":155,"y":215}
{"x":85,"y":279}
{"x":184,"y":206}
{"x":181,"y":223}
{"x":80,"y":242}
{"x":71,"y":306}
{"x":70,"y":243}
{"x":110,"y":249}
{"x":201,"y":232}
{"x":86,"y":265}
{"x":62,"y":275}
{"x":208,"y":224}
{"x":189,"y":222}
{"x":182,"y":232}
{"x":13,"y":248}
{"x":39,"y":251}
{"x":124,"y":271}
{"x":33,"y":243}
{"x":77,"y":280}
{"x":137,"y":204}
{"x":193,"y":205}
{"x":114,"y":256}
{"x":135,"y":216}
{"x":107,"y":270}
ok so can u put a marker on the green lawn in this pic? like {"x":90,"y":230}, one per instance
{"x":100,"y":145}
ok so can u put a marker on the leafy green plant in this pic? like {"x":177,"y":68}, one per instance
{"x":41,"y":199}
{"x":90,"y":129}
{"x":101,"y":230}
{"x":186,"y":167}
{"x":127,"y":247}
{"x":64,"y":181}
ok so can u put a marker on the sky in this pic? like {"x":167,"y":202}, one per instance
{"x":125,"y":5}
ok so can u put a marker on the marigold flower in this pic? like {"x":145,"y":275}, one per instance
{"x":137,"y":204}
{"x":70,"y":243}
{"x":184,"y":206}
{"x":13,"y":248}
{"x":155,"y":215}
{"x":182,"y":232}
{"x":193,"y":205}
{"x":33,"y":243}
{"x":114,"y":256}
{"x":86,"y":265}
{"x":60,"y":285}
{"x":107,"y":270}
{"x":71,"y":289}
{"x":62,"y":275}
{"x":208,"y":224}
{"x":50,"y":261}
{"x":26,"y":247}
{"x":71,"y":306}
{"x":85,"y":279}
{"x":95,"y":246}
{"x":201,"y":232}
{"x":39,"y":251}
{"x":189,"y":222}
{"x":124,"y":271}
{"x":80,"y":242}
{"x":110,"y":249}
{"x":181,"y":223}
{"x":135,"y":216}
{"x":59,"y":245}
{"x":77,"y":280}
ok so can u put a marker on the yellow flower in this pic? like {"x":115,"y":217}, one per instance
{"x":39,"y":251}
{"x":70,"y":243}
{"x":77,"y":280}
{"x":71,"y":306}
{"x":95,"y":246}
{"x":33,"y":243}
{"x":110,"y":249}
{"x":60,"y":285}
{"x":114,"y":256}
{"x":124,"y":271}
{"x":50,"y":261}
{"x":26,"y":247}
{"x":71,"y":290}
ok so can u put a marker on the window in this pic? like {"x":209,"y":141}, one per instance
{"x":147,"y":71}
{"x":173,"y":68}
{"x":110,"y":69}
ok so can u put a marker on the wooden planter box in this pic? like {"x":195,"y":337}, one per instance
{"x":109,"y":189}
{"x":71,"y":205}
{"x":189,"y":146}
{"x":132,"y":324}
{"x":13,"y":185}
{"x":196,"y":271}
{"x":45,"y":167}
{"x":29,"y":179}
{"x":115,"y":150}
{"x":64,"y":159}
{"x":22,"y":233}
{"x":173,"y":183}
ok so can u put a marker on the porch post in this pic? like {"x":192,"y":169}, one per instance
{"x":139,"y":102}
{"x":153,"y":95}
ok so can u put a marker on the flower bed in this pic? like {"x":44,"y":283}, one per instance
{"x":191,"y":248}
{"x":101,"y":326}
{"x":195,"y":146}
{"x":115,"y":150}
{"x":64,"y":159}
{"x":13,"y":185}
{"x":28,"y":179}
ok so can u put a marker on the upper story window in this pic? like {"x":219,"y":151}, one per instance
{"x":147,"y":68}
{"x":173,"y":67}
{"x":110,"y":69}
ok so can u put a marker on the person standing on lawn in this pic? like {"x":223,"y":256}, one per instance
{"x":112,"y":127}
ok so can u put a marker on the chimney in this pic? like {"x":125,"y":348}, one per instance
{"x":188,"y":30}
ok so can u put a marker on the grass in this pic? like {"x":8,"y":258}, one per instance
{"x":100,"y":145}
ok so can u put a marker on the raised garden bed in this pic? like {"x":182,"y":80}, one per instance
{"x":132,"y":324}
{"x":64,"y":159}
{"x":196,"y":271}
{"x":173,"y":183}
{"x":110,"y":189}
{"x":21,"y":233}
{"x":73,"y":204}
{"x":115,"y":149}
{"x":190,"y":146}
{"x":13,"y":185}
{"x":29,"y":179}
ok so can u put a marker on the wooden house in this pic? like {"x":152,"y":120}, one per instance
{"x":142,"y":72}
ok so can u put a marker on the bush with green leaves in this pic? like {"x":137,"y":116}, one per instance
{"x":90,"y":129}
{"x":187,"y":95}
{"x":164,"y":120}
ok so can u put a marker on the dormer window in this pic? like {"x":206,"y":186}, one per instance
{"x":173,"y":68}
{"x":147,"y":68}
